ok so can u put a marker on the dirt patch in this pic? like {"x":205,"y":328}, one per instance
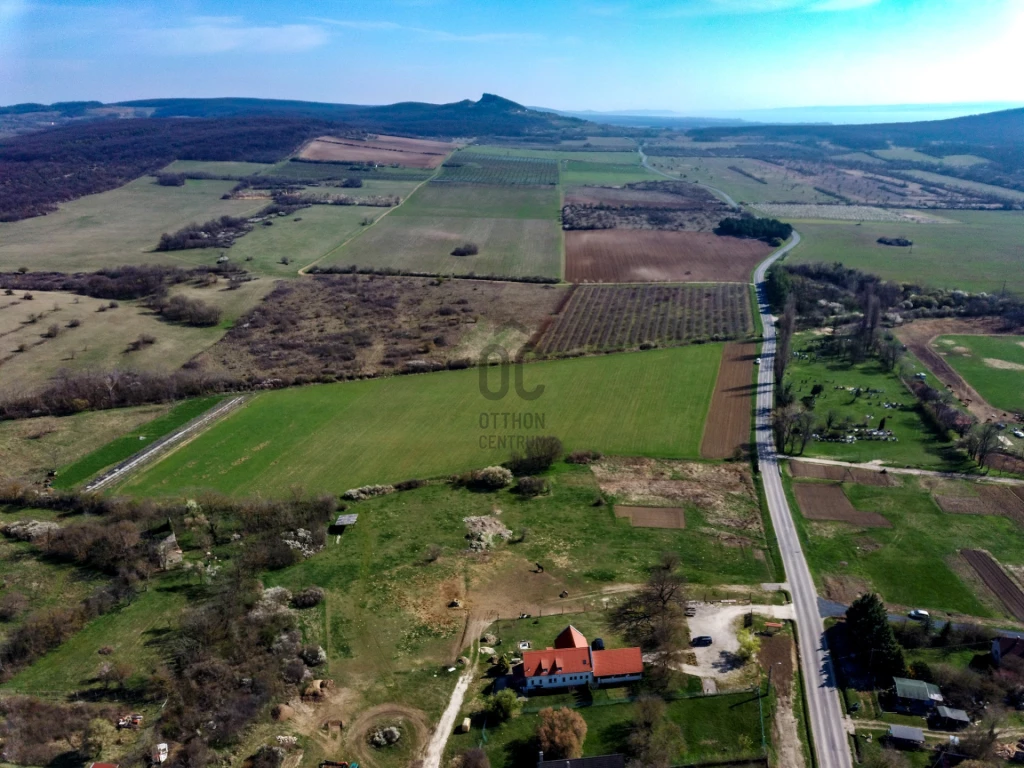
{"x":727,"y":429}
{"x":384,"y":150}
{"x":640,"y":256}
{"x":723,"y":493}
{"x":1002,"y":365}
{"x":600,"y":317}
{"x":991,"y":500}
{"x":345,"y":326}
{"x":844,"y":589}
{"x":841,"y":474}
{"x":995,"y":578}
{"x":919,"y":337}
{"x":828,"y":502}
{"x":778,"y":657}
{"x":653,"y":517}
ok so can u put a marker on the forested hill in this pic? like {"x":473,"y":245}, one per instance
{"x":993,"y":130}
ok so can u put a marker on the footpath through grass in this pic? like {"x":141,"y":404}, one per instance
{"x":123,"y":447}
{"x":329,"y":438}
{"x":993,"y":365}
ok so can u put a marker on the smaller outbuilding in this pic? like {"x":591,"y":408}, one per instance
{"x":1003,"y":647}
{"x":905,"y":737}
{"x":343,"y":522}
{"x":916,"y":695}
{"x":949,"y":719}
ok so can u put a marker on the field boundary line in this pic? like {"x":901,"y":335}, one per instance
{"x":305,"y":270}
{"x":193,"y":428}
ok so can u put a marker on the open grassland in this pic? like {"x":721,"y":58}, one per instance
{"x":102,"y":337}
{"x":135,"y":633}
{"x":975,"y":187}
{"x":511,"y":247}
{"x":586,"y":172}
{"x":113,"y":228}
{"x":772,"y":183}
{"x":473,"y":168}
{"x":963,"y":161}
{"x":292,"y":242}
{"x":334,"y":437}
{"x":916,"y":443}
{"x":905,"y":153}
{"x":980,"y":252}
{"x":299,"y":170}
{"x":722,"y":727}
{"x":481,"y":201}
{"x":603,"y":142}
{"x":217,"y":167}
{"x":992,"y":365}
{"x":611,"y":157}
{"x":137,"y":439}
{"x":915,"y":562}
{"x":33,"y":447}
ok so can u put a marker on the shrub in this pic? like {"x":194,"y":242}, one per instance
{"x":561,"y":733}
{"x":541,"y":453}
{"x":410,"y":485}
{"x":74,"y":322}
{"x":308,"y":597}
{"x":492,"y":478}
{"x":467,"y":249}
{"x":504,"y":705}
{"x":367,"y":492}
{"x":582,"y":457}
{"x":475,"y":758}
{"x":52,"y":332}
{"x":531,"y":486}
{"x":181,"y":309}
{"x":170,"y":179}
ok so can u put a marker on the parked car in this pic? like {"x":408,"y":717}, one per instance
{"x":757,"y":361}
{"x":701,"y":641}
{"x":1018,"y":433}
{"x":919,"y":615}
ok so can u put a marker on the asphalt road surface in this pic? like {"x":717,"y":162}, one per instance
{"x":826,"y":715}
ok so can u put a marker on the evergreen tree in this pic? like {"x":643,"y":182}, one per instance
{"x":867,"y":626}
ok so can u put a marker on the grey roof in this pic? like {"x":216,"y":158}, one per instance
{"x":906,"y":733}
{"x":601,"y":761}
{"x":918,"y":690}
{"x":953,"y":714}
{"x":346,"y":519}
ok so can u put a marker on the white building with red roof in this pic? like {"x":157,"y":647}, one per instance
{"x":573,"y":662}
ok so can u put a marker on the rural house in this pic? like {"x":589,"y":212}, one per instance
{"x":573,"y":662}
{"x":916,"y":695}
{"x":1007,"y":646}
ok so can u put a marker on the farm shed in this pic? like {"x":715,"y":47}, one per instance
{"x":1007,"y":646}
{"x":951,"y":719}
{"x":905,"y":736}
{"x":916,"y":695}
{"x":600,"y":761}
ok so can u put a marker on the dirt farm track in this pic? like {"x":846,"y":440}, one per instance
{"x":650,"y":256}
{"x":728,"y":423}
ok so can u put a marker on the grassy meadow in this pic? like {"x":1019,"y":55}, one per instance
{"x":917,"y":445}
{"x":980,"y":252}
{"x":114,"y":228}
{"x":993,"y":365}
{"x":915,"y":563}
{"x":780,"y":185}
{"x":485,"y":201}
{"x":218,"y":167}
{"x":969,"y":186}
{"x":338,"y":436}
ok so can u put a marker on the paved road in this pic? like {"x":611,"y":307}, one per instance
{"x":823,"y":701}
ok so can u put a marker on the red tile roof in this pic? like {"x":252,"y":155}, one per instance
{"x":571,"y":638}
{"x":622,"y":661}
{"x":561,"y":661}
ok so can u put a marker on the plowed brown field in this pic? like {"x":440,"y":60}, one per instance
{"x":828,"y":502}
{"x":991,"y":500}
{"x":728,"y":424}
{"x":649,"y":256}
{"x":842,"y":474}
{"x":653,"y":517}
{"x":412,"y":153}
{"x":995,"y":578}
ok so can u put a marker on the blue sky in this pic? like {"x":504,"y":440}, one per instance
{"x":693,"y":56}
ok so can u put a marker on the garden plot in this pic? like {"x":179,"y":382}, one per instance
{"x":991,"y":500}
{"x":996,"y":579}
{"x":653,"y":517}
{"x":828,"y":502}
{"x":840,"y":474}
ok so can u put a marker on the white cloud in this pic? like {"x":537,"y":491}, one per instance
{"x":434,"y":34}
{"x":716,"y":7}
{"x":842,"y":5}
{"x":223,"y":34}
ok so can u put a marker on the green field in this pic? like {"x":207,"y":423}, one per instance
{"x":981,"y":252}
{"x":131,"y":443}
{"x":334,"y":437}
{"x":113,"y":228}
{"x":588,"y":172}
{"x":969,"y":186}
{"x":482,"y":201}
{"x":218,"y":167}
{"x":781,"y":185}
{"x":993,"y":365}
{"x":905,"y":153}
{"x":914,"y":564}
{"x":917,"y":444}
{"x":719,"y":727}
{"x":611,"y":158}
